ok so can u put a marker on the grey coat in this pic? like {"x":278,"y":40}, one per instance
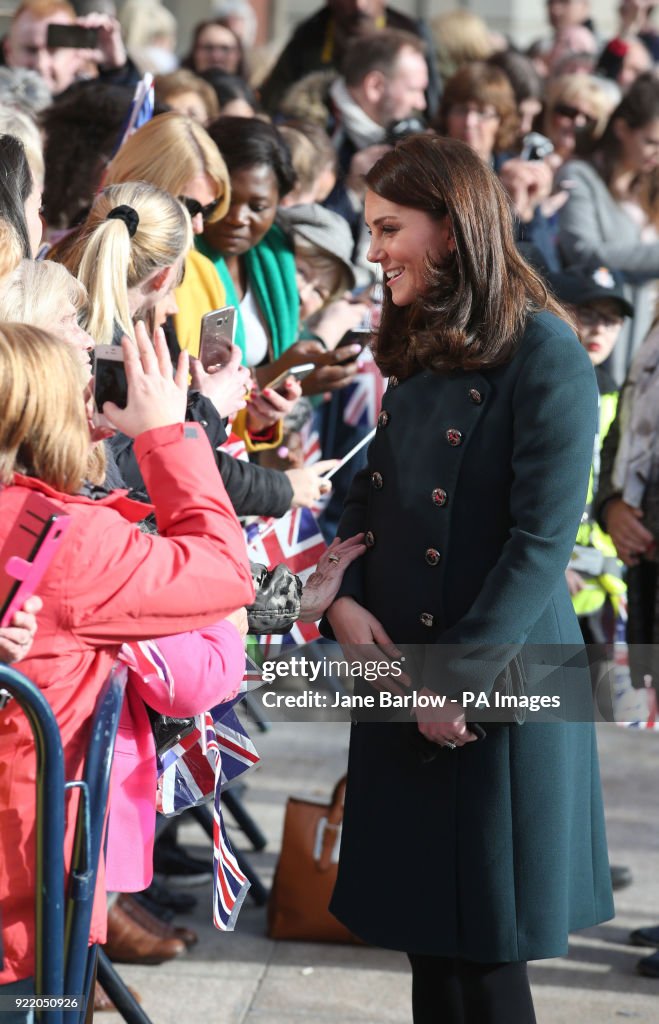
{"x":594,"y":231}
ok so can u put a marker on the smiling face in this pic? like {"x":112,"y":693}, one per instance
{"x":254,"y":200}
{"x":402,"y":239}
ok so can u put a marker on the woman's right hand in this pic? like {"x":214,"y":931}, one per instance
{"x":308,"y":484}
{"x":227,"y":386}
{"x":352,"y":624}
{"x":156,"y":396}
{"x":624,"y":526}
{"x":363,"y":638}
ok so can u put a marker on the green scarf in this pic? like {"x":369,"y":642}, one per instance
{"x":270,"y":269}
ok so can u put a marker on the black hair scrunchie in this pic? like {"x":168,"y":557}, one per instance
{"x":128,"y":215}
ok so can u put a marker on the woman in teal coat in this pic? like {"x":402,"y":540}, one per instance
{"x":471,"y":855}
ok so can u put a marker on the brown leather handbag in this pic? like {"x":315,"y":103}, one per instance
{"x":306,"y":872}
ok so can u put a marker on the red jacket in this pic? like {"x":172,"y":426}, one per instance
{"x":109,"y":583}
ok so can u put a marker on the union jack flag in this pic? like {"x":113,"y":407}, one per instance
{"x":236,"y":447}
{"x":213,"y":755}
{"x":140,"y":111}
{"x":363,"y":398}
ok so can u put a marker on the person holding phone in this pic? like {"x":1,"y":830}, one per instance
{"x":109,"y":582}
{"x":470,"y":504}
{"x":255,"y":260}
{"x":61,"y":58}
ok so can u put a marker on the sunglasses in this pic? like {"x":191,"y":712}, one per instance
{"x":573,"y":113}
{"x":194,"y":207}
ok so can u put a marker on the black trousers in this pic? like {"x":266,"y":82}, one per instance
{"x":454,"y":991}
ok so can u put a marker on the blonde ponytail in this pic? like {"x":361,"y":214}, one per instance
{"x":112,"y":257}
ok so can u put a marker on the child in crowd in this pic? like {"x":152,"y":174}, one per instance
{"x":594,"y":575}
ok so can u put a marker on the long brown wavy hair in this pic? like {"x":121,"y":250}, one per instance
{"x":476,"y":305}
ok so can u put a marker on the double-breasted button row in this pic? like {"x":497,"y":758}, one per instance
{"x":383,"y":418}
{"x":376,"y":480}
{"x":475,"y":396}
{"x":454,"y":436}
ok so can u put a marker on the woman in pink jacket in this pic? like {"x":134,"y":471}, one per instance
{"x":108,"y":582}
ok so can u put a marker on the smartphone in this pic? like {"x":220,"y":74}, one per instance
{"x":75,"y":37}
{"x":28,"y":551}
{"x":536,"y":147}
{"x":218,"y":329}
{"x":298,"y":372}
{"x":110,"y":384}
{"x":356,"y":336}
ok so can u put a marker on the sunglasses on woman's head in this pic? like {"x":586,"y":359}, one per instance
{"x":194,"y":207}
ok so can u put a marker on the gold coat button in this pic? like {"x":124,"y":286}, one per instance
{"x":454,"y":437}
{"x":376,"y":480}
{"x":426,"y":619}
{"x":383,"y":418}
{"x":475,"y":396}
{"x":393,"y":382}
{"x":432,"y":556}
{"x":369,"y":539}
{"x":439,"y":497}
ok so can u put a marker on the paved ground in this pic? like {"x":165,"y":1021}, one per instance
{"x":244,"y":978}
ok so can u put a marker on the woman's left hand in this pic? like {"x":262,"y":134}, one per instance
{"x":268,"y":406}
{"x":436,"y":725}
{"x":322,"y":586}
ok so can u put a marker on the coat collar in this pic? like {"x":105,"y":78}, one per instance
{"x":131,"y":510}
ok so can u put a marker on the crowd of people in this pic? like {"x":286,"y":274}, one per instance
{"x":426,"y":233}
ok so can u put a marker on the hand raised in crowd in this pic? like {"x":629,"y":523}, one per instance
{"x":110,"y":52}
{"x":528,"y":183}
{"x":307,"y":482}
{"x":322,"y":586}
{"x":333,"y":369}
{"x":624,"y":526}
{"x":338,"y":317}
{"x":267,"y":407}
{"x":16,"y":639}
{"x":227,"y":386}
{"x":156,"y":396}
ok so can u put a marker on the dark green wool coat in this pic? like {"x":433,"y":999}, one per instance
{"x":495,"y":851}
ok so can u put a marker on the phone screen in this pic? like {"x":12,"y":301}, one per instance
{"x":110,"y":384}
{"x":354,"y":337}
{"x":75,"y":37}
